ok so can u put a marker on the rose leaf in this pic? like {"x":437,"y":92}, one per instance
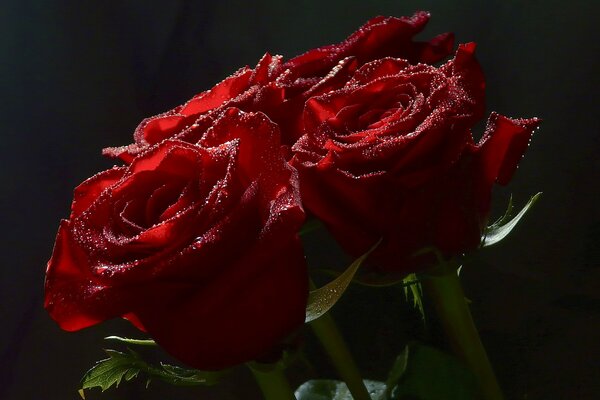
{"x":110,"y":371}
{"x":501,"y":228}
{"x":322,"y":299}
{"x":121,"y":366}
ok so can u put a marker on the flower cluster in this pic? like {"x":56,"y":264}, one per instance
{"x":195,"y":238}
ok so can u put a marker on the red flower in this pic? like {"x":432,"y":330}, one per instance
{"x":247,"y":89}
{"x":329,"y":67}
{"x":196,"y":244}
{"x":379,"y":37}
{"x":391,"y":155}
{"x":280,"y":89}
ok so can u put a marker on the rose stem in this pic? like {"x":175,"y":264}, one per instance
{"x":330,"y":337}
{"x":446,"y":292}
{"x":273,"y":383}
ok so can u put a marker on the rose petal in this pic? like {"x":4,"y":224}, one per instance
{"x":503,"y":145}
{"x":267,"y":69}
{"x":72,"y":297}
{"x":260,"y":154}
{"x":235,"y":318}
{"x":469,"y":81}
{"x":88,"y":191}
{"x":379,"y":37}
{"x":229,"y":88}
{"x":436,"y":49}
{"x":159,"y":129}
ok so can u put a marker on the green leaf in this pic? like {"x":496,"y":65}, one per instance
{"x":138,"y":342}
{"x":501,"y":228}
{"x":111,"y":371}
{"x":120,"y":367}
{"x":322,"y":299}
{"x":323,"y":389}
{"x":425,"y":373}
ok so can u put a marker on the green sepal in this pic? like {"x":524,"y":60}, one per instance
{"x":121,"y":366}
{"x":179,"y":376}
{"x":321,"y":300}
{"x":503,"y":226}
{"x":137,"y":342}
{"x":324,"y":389}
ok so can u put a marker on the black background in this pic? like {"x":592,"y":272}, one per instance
{"x":78,"y":76}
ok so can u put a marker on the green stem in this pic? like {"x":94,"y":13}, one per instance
{"x":333,"y":342}
{"x":447,"y":295}
{"x":272,"y":382}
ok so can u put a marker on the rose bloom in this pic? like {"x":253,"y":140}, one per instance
{"x":194,"y":243}
{"x":280,"y":89}
{"x":247,"y":89}
{"x":377,"y":38}
{"x":329,"y":67}
{"x":391,"y":155}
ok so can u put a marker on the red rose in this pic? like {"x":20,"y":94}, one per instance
{"x":196,"y":244}
{"x":247,"y":89}
{"x":280,"y":89}
{"x":329,"y":67}
{"x":379,"y":37}
{"x":391,"y":155}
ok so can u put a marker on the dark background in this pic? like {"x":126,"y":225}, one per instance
{"x":78,"y":76}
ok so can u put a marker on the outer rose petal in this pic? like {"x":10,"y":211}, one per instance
{"x":70,"y":298}
{"x":87,"y":192}
{"x":171,"y":123}
{"x":379,"y":37}
{"x":350,"y":207}
{"x":267,"y":69}
{"x":238,"y":317}
{"x":228,"y":89}
{"x":503,"y":145}
{"x":469,"y":77}
{"x":436,"y":49}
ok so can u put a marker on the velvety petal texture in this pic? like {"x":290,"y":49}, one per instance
{"x":196,"y":243}
{"x":390,"y":155}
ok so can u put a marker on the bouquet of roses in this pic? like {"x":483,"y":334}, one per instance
{"x":195,"y":237}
